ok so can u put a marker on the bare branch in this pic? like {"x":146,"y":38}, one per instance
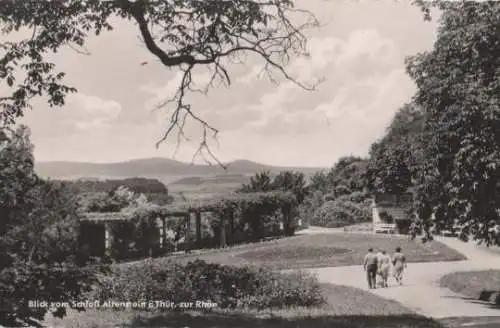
{"x":213,"y":34}
{"x":82,"y":51}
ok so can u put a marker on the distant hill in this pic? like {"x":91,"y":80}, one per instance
{"x":155,"y":167}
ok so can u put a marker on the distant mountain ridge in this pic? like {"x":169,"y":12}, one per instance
{"x":154,"y":166}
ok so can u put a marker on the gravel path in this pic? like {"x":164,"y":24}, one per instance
{"x":421,"y":291}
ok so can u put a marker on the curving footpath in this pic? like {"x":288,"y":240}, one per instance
{"x":421,"y":291}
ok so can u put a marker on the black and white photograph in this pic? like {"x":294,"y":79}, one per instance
{"x":249,"y":163}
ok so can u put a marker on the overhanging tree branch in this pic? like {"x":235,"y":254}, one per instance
{"x":214,"y":36}
{"x":182,"y":34}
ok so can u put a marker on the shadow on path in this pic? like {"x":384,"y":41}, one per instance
{"x":243,"y":321}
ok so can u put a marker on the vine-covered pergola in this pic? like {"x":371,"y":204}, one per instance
{"x":191,"y":211}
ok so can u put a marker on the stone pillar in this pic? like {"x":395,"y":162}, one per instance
{"x":198,"y":228}
{"x":223,"y":240}
{"x":187,"y":239}
{"x":163,"y":232}
{"x":286,"y":212}
{"x":231,"y":226}
{"x":107,"y":237}
{"x":159,"y":224}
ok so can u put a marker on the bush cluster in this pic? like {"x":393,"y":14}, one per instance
{"x":229,"y":287}
{"x":345,"y":210}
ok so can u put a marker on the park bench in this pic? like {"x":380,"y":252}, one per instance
{"x":384,"y":228}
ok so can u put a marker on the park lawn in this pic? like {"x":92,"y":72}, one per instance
{"x":346,"y":308}
{"x":321,"y":250}
{"x":472,"y":283}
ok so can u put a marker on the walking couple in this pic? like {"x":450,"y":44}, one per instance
{"x":380,"y":264}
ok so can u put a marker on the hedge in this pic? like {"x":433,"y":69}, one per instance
{"x":229,"y":287}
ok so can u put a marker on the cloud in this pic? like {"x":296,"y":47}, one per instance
{"x":359,"y":52}
{"x":160,"y":93}
{"x":361,"y":109}
{"x":82,"y":115}
{"x":364,"y":86}
{"x":256,"y":73}
{"x":358,"y":71}
{"x":325,"y":132}
{"x":222,"y":108}
{"x":90,"y":112}
{"x":354,"y":68}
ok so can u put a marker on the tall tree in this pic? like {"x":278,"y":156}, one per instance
{"x":291,"y":181}
{"x":396,"y":159}
{"x":16,"y":173}
{"x":181,"y":34}
{"x":459,"y":89}
{"x":260,"y":182}
{"x":40,"y":257}
{"x":350,"y":172}
{"x":320,"y":182}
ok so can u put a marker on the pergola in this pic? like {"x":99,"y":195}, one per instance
{"x":192,"y":210}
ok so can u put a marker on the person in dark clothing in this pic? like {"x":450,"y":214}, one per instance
{"x":371,"y":267}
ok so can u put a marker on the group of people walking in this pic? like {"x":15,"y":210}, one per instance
{"x":380,"y":265}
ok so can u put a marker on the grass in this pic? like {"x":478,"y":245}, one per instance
{"x":361,"y":227}
{"x":321,"y":250}
{"x":346,"y":308}
{"x":472,"y":283}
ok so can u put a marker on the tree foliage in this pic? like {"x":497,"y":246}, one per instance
{"x":121,"y":199}
{"x":181,"y":34}
{"x":341,"y":212}
{"x":16,"y":173}
{"x":137,"y":185}
{"x":100,"y":195}
{"x":287,"y":181}
{"x":260,"y":182}
{"x":458,"y":88}
{"x":348,"y":171}
{"x":396,"y":159}
{"x":337,"y":197}
{"x":294,"y":182}
{"x":39,"y":254}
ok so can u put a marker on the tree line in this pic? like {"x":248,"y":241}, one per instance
{"x":445,"y":144}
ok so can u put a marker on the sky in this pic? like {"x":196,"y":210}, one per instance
{"x":358,"y":51}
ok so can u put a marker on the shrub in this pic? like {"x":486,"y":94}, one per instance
{"x":229,"y":287}
{"x":137,"y":185}
{"x":310,"y":205}
{"x":341,"y":212}
{"x":356,"y":197}
{"x":341,"y":190}
{"x":40,"y":254}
